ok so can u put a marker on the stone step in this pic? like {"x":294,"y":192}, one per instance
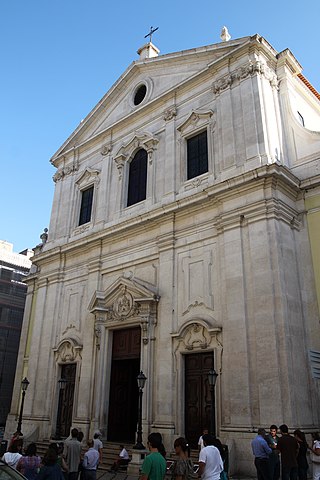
{"x":110,"y":452}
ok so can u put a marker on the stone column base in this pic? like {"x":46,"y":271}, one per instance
{"x":137,"y":460}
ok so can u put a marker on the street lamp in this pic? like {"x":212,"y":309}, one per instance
{"x":212,"y":378}
{"x":62,"y":382}
{"x":141,"y":379}
{"x":24,"y":385}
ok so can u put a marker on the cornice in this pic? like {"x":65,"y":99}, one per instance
{"x":218,"y":192}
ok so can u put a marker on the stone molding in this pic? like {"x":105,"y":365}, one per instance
{"x":249,"y":69}
{"x":197,"y":335}
{"x":144,"y":140}
{"x":196,"y":119}
{"x":128,"y":301}
{"x":126,"y":152}
{"x":68,"y":350}
{"x":88,"y":177}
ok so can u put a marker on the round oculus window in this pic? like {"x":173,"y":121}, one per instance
{"x":139,"y":95}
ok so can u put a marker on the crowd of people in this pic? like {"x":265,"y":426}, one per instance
{"x":285,"y":454}
{"x":274,"y":455}
{"x":62,"y":461}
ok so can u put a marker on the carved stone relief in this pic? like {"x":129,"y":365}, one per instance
{"x":197,"y":335}
{"x":170,"y":113}
{"x":125,"y":301}
{"x":68,"y":351}
{"x":242,"y":72}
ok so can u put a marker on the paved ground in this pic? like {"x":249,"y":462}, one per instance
{"x":123,"y":476}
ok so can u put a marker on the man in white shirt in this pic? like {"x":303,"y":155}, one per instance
{"x":123,"y":459}
{"x":97,"y":444}
{"x":210,"y":461}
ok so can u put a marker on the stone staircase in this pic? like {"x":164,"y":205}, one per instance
{"x":110,"y":453}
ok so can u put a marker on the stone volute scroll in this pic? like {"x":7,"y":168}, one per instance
{"x":144,"y":140}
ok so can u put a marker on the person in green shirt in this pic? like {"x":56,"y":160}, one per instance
{"x":154,"y":465}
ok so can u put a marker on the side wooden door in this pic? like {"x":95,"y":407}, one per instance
{"x":197,"y":395}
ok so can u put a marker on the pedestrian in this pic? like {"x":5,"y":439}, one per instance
{"x":98,"y":445}
{"x":288,"y":447}
{"x":50,"y":469}
{"x":13,"y":455}
{"x":72,"y":454}
{"x":210,"y":461}
{"x":272,"y":440}
{"x":302,"y":454}
{"x":261,"y":452}
{"x":154,"y":465}
{"x":122,"y":460}
{"x":315,"y":455}
{"x":90,"y":462}
{"x":58,"y":448}
{"x":29,"y":465}
{"x":183,"y":467}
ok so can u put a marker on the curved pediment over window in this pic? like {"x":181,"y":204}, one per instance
{"x":68,"y":350}
{"x":143,"y":140}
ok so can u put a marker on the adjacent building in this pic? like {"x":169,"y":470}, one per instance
{"x":14,"y":267}
{"x":179,"y":243}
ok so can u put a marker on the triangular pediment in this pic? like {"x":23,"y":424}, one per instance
{"x":195,"y":117}
{"x":161,"y":75}
{"x":123,"y":297}
{"x":88,"y":176}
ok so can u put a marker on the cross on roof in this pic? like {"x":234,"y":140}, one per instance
{"x":152,"y":30}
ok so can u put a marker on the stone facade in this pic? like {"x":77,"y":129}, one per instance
{"x":218,"y":263}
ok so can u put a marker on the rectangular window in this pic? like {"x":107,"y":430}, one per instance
{"x":197,"y":155}
{"x":86,"y":206}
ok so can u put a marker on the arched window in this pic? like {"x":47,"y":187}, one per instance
{"x":137,"y":187}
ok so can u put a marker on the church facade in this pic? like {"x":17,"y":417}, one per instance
{"x":178,"y":244}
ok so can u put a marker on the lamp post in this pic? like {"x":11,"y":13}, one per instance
{"x":141,"y":379}
{"x":62,"y":382}
{"x":24,"y":385}
{"x":212,"y":378}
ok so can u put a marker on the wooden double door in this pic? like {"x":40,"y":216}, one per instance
{"x":123,"y":397}
{"x":198,"y":398}
{"x":66,"y":397}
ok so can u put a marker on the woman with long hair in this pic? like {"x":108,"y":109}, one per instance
{"x":183,"y":468}
{"x":302,"y":454}
{"x":29,"y":464}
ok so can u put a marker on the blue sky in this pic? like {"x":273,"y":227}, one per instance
{"x":59,"y":57}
